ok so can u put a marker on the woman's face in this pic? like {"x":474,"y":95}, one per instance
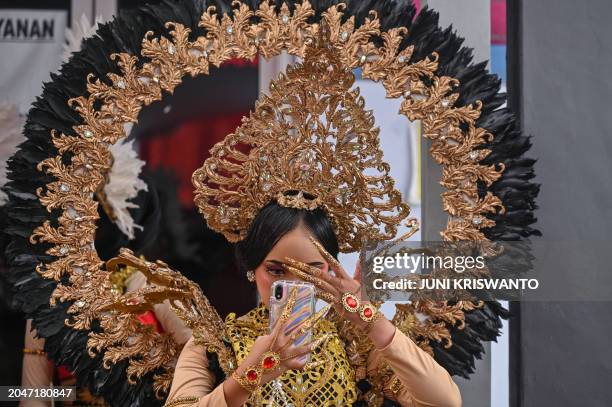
{"x":295,"y":244}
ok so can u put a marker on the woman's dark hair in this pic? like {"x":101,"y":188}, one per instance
{"x":272,"y":223}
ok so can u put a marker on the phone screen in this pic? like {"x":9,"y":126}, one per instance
{"x":302,"y":309}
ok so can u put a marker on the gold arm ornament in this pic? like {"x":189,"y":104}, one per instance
{"x":186,"y":300}
{"x":182,"y":401}
{"x":123,"y":336}
{"x":36,"y":352}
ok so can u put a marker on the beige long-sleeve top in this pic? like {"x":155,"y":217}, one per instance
{"x":425,"y":382}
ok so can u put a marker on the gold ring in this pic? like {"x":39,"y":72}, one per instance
{"x":350,"y":302}
{"x":270,"y":360}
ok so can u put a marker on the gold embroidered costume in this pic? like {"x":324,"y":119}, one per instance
{"x":331,"y":384}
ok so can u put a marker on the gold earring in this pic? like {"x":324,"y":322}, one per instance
{"x":250,"y":276}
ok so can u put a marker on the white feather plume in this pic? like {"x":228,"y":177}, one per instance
{"x":124,"y":184}
{"x":75,"y":36}
{"x":11,"y":135}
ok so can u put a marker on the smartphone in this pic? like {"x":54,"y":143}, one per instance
{"x":303,"y":308}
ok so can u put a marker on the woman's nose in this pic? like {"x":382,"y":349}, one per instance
{"x":291,"y":277}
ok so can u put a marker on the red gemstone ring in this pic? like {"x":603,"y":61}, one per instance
{"x":270,"y":360}
{"x":367,"y":312}
{"x":350,"y":302}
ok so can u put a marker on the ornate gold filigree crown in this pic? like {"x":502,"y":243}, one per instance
{"x":309,"y":144}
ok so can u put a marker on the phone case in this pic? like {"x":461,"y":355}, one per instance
{"x":303,"y":308}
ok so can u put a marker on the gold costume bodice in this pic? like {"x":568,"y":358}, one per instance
{"x":332,"y":383}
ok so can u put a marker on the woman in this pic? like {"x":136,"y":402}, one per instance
{"x":278,"y":246}
{"x":310,"y":145}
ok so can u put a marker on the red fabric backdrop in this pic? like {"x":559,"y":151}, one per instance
{"x":498,"y":22}
{"x":184,"y":148}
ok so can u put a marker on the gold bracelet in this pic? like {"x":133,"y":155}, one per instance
{"x":38,"y":352}
{"x":182,"y":401}
{"x":378,"y":316}
{"x":372,"y":321}
{"x":250,"y":380}
{"x":367,"y":312}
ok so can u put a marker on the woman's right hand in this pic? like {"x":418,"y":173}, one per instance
{"x":291,"y":357}
{"x":277,"y":347}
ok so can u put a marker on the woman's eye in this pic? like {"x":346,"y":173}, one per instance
{"x":276,"y":272}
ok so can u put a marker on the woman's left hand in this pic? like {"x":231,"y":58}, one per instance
{"x":337,"y":288}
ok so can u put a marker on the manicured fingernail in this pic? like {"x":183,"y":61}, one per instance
{"x":312,"y":365}
{"x":319,"y":341}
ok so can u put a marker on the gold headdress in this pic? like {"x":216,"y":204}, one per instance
{"x":309,"y":144}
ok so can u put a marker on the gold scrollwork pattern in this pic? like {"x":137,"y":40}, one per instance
{"x":112,"y":105}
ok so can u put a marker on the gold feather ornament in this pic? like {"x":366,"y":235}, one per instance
{"x":309,"y":144}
